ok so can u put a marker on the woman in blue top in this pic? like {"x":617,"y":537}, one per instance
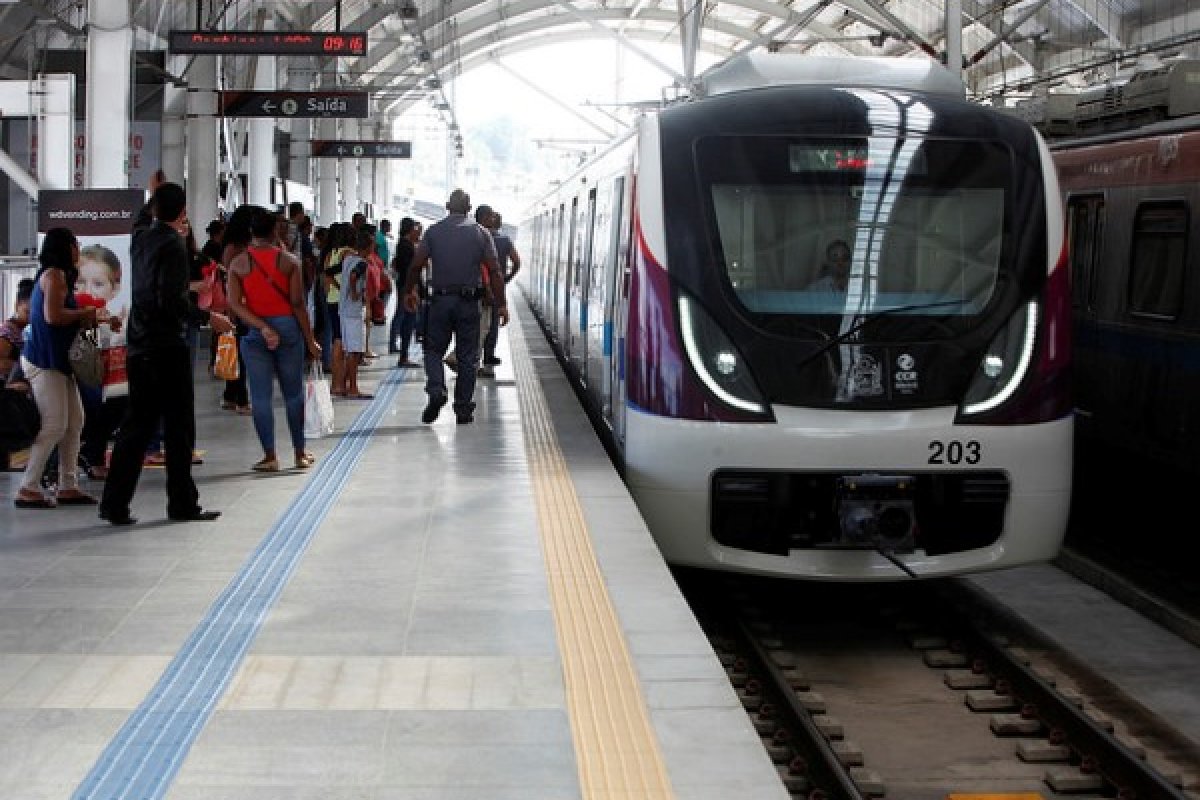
{"x":54,"y":319}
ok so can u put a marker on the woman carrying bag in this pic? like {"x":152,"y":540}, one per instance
{"x":266,"y":291}
{"x":54,"y":319}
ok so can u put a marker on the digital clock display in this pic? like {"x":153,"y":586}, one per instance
{"x":268,"y":43}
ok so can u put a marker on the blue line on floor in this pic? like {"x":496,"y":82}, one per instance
{"x":145,"y":755}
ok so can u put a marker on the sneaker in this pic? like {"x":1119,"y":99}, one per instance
{"x":464,"y":419}
{"x":492,"y":361}
{"x":432,"y":409}
{"x":486,"y":372}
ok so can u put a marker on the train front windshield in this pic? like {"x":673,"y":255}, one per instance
{"x":857,"y":225}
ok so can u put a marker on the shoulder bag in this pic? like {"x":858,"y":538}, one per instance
{"x":86,"y":358}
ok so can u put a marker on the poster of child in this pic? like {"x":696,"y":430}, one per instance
{"x":100,"y":273}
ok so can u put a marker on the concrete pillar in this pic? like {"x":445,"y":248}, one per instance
{"x":174,"y":125}
{"x":327,"y":179}
{"x":366,"y":168}
{"x":55,"y":105}
{"x":384,"y":169}
{"x":299,"y":157}
{"x":260,"y":160}
{"x":202,"y":189}
{"x":954,"y":30}
{"x":109,"y":82}
{"x":351,"y":201}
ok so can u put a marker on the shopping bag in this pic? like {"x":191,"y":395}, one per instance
{"x":226,"y":365}
{"x":318,"y":404}
{"x":116,"y":374}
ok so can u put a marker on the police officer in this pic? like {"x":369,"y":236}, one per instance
{"x":459,"y":248}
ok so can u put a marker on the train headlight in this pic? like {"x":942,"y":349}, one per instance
{"x":716,"y":361}
{"x":1005,"y":364}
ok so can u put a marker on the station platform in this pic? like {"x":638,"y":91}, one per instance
{"x":433,"y":612}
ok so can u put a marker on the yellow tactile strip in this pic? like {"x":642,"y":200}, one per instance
{"x":615,"y":746}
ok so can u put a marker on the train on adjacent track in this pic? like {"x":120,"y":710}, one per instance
{"x":915,"y":422}
{"x":1132,"y":204}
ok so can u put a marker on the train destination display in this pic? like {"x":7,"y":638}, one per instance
{"x":268,"y":43}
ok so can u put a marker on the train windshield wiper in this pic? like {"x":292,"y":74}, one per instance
{"x":867,"y":319}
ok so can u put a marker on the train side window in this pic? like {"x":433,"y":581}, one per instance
{"x":1085,"y":238}
{"x":1157,"y":258}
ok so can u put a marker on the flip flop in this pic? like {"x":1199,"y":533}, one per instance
{"x":32,"y":502}
{"x":80,"y":499}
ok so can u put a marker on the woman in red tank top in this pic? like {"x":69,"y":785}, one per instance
{"x":266,"y":291}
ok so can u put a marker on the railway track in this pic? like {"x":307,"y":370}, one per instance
{"x":922,"y":691}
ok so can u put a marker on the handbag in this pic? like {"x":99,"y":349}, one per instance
{"x":225,"y":366}
{"x":19,"y":419}
{"x":318,"y":404}
{"x":211,"y":296}
{"x":86,"y":358}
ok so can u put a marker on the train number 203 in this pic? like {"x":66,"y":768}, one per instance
{"x":955,"y":452}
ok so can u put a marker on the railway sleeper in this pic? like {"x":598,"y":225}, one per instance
{"x":968,"y":679}
{"x":987,"y":700}
{"x":1041,"y":751}
{"x":868,"y":781}
{"x":1072,"y":780}
{"x":1014,"y":725}
{"x":847,"y":752}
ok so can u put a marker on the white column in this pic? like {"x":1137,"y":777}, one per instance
{"x":327,"y":183}
{"x":954,"y":30}
{"x":202,"y":190}
{"x":350,"y":197}
{"x":366,"y":167}
{"x":174,"y":125}
{"x":109,"y":78}
{"x":299,"y":161}
{"x":55,"y":106}
{"x":260,"y":152}
{"x":384,"y":167}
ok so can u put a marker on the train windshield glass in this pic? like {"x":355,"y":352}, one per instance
{"x":898,"y":225}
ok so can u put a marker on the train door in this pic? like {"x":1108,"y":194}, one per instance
{"x":556,"y":274}
{"x":1162,"y":389}
{"x":562,"y":310}
{"x":599,"y":324}
{"x":577,"y":350}
{"x":620,"y":313}
{"x":1085,"y":247}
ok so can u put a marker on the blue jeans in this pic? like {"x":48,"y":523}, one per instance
{"x":285,"y":362}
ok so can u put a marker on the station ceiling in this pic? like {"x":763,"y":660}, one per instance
{"x":1010,"y":47}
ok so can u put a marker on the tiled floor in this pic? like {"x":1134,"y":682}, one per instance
{"x":410,"y":653}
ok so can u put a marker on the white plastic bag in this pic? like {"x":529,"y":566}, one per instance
{"x":318,"y":404}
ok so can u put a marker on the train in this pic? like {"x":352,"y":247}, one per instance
{"x":913,"y":423}
{"x":1132,"y":205}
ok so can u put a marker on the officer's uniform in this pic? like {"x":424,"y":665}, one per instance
{"x":456,"y":247}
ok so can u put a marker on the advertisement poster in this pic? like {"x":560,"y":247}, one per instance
{"x":101,"y":220}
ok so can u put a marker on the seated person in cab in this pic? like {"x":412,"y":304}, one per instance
{"x":835,"y":273}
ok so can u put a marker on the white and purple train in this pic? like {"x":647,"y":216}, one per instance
{"x":915,"y":422}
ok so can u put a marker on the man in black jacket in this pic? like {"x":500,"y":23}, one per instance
{"x":159,"y":361}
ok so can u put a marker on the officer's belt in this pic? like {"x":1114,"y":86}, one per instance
{"x":469,"y":292}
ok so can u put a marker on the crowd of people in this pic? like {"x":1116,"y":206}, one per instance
{"x":294,"y":295}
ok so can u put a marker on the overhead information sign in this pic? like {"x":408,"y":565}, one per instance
{"x":332,"y":104}
{"x":323,"y":148}
{"x":268,"y":43}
